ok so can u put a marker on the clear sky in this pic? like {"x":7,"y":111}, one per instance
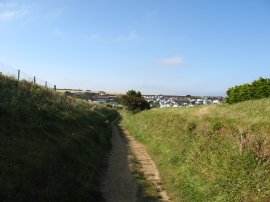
{"x":198,"y":47}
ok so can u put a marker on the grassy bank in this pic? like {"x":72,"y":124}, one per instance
{"x":213,"y":153}
{"x":52,"y":147}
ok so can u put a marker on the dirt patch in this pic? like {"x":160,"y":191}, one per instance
{"x":119,"y":183}
{"x":147,"y":165}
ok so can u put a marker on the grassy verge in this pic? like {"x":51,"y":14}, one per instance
{"x":52,"y":147}
{"x":214,"y":153}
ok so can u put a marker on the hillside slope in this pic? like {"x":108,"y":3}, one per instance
{"x":52,"y":147}
{"x":213,"y":153}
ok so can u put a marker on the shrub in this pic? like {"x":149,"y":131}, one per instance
{"x":134,"y":101}
{"x":256,"y":90}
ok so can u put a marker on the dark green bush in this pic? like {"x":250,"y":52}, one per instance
{"x":134,"y":101}
{"x":256,"y":90}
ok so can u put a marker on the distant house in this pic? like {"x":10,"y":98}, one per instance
{"x":101,"y":92}
{"x":199,"y":102}
{"x":182,"y":101}
{"x":206,"y":102}
{"x":216,"y":101}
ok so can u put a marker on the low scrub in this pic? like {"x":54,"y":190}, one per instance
{"x":52,"y":147}
{"x":213,"y":153}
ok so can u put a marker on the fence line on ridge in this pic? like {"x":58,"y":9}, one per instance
{"x":20,"y":75}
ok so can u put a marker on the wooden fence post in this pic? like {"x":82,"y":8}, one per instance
{"x":19,"y":72}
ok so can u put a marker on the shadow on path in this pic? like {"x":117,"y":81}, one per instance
{"x":123,"y":181}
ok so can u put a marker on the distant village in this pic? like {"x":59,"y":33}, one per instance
{"x":163,"y":101}
{"x":155,"y":101}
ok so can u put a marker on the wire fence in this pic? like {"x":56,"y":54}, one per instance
{"x":20,"y":75}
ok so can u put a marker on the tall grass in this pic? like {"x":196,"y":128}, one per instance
{"x":214,"y":153}
{"x":52,"y":147}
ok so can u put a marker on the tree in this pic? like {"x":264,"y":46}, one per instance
{"x":256,"y":90}
{"x":134,"y":101}
{"x":134,"y":93}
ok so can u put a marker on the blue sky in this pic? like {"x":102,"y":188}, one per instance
{"x":155,"y":46}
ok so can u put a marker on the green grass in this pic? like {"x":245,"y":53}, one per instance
{"x":213,"y":153}
{"x":52,"y":147}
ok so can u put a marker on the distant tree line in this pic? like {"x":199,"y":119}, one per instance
{"x":256,"y":90}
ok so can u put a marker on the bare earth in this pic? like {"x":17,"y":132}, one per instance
{"x":119,"y":185}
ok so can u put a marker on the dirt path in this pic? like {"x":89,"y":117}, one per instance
{"x":119,"y":185}
{"x":147,"y":164}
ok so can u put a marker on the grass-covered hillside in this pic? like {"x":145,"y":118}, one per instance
{"x":213,"y":153}
{"x":52,"y":147}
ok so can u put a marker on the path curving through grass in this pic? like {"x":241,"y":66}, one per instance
{"x":126,"y":180}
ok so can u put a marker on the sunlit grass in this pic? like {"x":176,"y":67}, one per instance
{"x":212,"y":153}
